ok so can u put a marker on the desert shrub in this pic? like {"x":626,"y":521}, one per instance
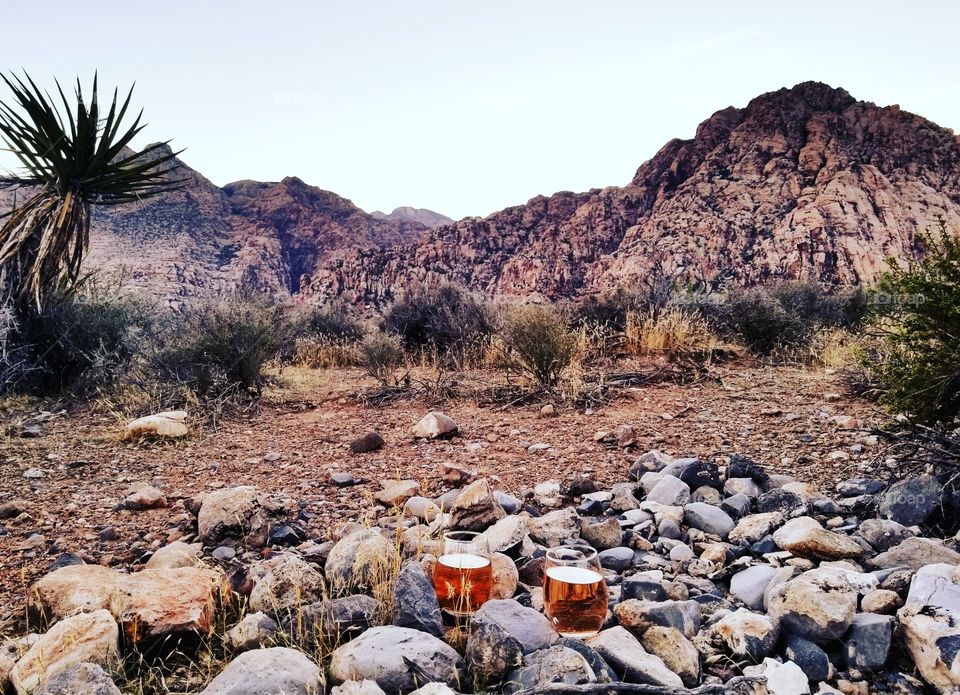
{"x":331,"y":322}
{"x":917,"y":310}
{"x":75,"y":342}
{"x":224,"y":345}
{"x":448,"y":320}
{"x":673,"y":332}
{"x":783,"y":316}
{"x":380,"y":354}
{"x":611,"y":310}
{"x":326,"y":336}
{"x":324,"y":353}
{"x":538,"y":341}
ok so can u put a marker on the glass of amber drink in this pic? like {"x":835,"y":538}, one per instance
{"x":574,"y":592}
{"x":463,"y":575}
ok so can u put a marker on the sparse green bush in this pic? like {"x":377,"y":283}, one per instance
{"x":782,"y":316}
{"x":75,"y":342}
{"x":539,"y":342}
{"x":223,"y":345}
{"x":380,"y":354}
{"x":448,"y":319}
{"x":611,"y":310}
{"x":917,"y":309}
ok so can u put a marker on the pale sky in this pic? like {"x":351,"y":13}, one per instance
{"x":468,"y":107}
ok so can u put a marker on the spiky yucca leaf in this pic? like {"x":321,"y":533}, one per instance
{"x":72,"y":158}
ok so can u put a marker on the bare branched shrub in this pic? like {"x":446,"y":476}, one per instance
{"x":447,"y":323}
{"x":380,"y":355}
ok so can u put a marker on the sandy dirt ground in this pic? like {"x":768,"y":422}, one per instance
{"x":779,"y":416}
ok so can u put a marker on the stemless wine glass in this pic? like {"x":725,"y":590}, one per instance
{"x":574,"y":592}
{"x":463,"y":575}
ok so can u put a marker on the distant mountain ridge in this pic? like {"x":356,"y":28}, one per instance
{"x":805,"y":182}
{"x":203,"y":240}
{"x":428,"y":218}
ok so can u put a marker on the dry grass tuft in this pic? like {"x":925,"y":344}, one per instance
{"x":672,"y":333}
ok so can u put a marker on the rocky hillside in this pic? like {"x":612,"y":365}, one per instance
{"x":803,"y":182}
{"x":204,"y":240}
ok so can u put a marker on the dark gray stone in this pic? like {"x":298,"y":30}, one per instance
{"x":529,"y":627}
{"x":911,"y":501}
{"x":883,"y":534}
{"x":510,"y":504}
{"x":811,"y":659}
{"x":371,"y":441}
{"x":700,"y":474}
{"x":600,"y":667}
{"x":491,"y":651}
{"x":616,"y":559}
{"x":779,"y":500}
{"x":339,"y":618}
{"x":737,"y":505}
{"x":740,"y":466}
{"x":644,"y":588}
{"x":416,"y":601}
{"x":867,"y":644}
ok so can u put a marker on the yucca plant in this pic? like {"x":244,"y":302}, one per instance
{"x":72,"y":159}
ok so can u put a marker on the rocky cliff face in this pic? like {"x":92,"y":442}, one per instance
{"x":801,"y":183}
{"x":206,"y":241}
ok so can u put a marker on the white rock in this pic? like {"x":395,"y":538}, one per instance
{"x":168,"y":424}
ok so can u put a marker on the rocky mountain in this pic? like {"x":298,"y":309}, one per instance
{"x":804,"y":182}
{"x":203,"y":240}
{"x":428,"y":218}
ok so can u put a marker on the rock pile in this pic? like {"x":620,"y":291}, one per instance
{"x":725,"y":578}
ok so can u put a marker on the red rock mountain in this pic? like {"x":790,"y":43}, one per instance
{"x":805,"y":182}
{"x":802,"y":182}
{"x":203,"y":240}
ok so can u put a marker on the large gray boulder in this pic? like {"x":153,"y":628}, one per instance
{"x":359,"y":561}
{"x":631,"y":662}
{"x":817,"y":607}
{"x":911,"y":501}
{"x":416,"y":601}
{"x":273,"y":671}
{"x":399,"y":659}
{"x":708,"y":519}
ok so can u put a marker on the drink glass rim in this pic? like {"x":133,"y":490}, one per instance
{"x":589,"y":553}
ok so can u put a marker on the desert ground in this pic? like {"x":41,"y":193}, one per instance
{"x":61,"y":490}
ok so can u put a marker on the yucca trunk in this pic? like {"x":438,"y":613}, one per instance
{"x":46,"y":240}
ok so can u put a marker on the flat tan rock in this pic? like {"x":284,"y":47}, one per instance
{"x":805,"y":537}
{"x":85,"y":638}
{"x":169,"y":424}
{"x":149,"y":605}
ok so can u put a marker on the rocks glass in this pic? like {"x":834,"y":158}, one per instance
{"x":463,"y":575}
{"x":574,"y":591}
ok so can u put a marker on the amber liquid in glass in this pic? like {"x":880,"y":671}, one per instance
{"x":462,"y":582}
{"x":575,"y":600}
